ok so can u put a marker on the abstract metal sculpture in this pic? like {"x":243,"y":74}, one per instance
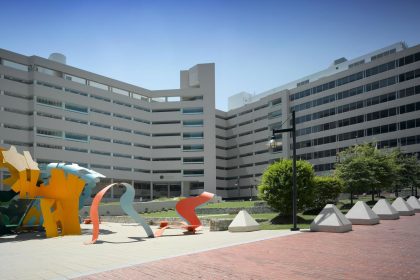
{"x":57,"y":200}
{"x":126,"y":202}
{"x":186,"y":209}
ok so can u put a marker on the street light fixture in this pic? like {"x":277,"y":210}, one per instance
{"x":273,"y":144}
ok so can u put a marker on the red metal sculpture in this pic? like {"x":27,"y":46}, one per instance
{"x":186,"y":209}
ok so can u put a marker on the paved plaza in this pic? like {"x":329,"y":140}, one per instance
{"x":32,"y":256}
{"x":389,"y":250}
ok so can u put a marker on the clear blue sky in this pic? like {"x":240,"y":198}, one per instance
{"x":256,"y":45}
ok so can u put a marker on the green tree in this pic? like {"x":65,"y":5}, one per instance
{"x":407,"y":170}
{"x":326,"y":190}
{"x":276,"y":185}
{"x":364,"y":167}
{"x":353,"y":171}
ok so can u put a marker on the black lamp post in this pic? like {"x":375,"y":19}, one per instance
{"x":273,"y":145}
{"x":238,"y":187}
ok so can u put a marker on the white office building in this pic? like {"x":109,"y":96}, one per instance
{"x":174,"y":142}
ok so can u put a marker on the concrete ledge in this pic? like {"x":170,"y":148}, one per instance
{"x":364,"y":221}
{"x":334,"y":229}
{"x":389,"y":216}
{"x":220,"y":224}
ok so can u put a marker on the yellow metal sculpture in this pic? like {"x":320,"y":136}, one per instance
{"x":59,"y":198}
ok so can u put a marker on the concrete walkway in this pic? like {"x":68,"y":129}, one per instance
{"x":390,"y":250}
{"x":32,"y":256}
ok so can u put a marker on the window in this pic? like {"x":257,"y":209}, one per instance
{"x":276,"y":102}
{"x":120,"y":168}
{"x":140,"y":97}
{"x":49,"y":132}
{"x":193,"y":111}
{"x":193,"y":147}
{"x":100,"y":153}
{"x":49,"y":102}
{"x":165,"y":110}
{"x":166,"y":171}
{"x":76,"y":120}
{"x":245,"y":123}
{"x":245,"y":112}
{"x":98,"y":85}
{"x":141,"y":145}
{"x":122,"y":142}
{"x":141,"y":108}
{"x":122,"y":116}
{"x":193,"y":123}
{"x":166,"y":122}
{"x":173,"y":98}
{"x":191,"y":98}
{"x":49,"y":146}
{"x":193,"y":135}
{"x":141,"y":120}
{"x":100,"y":98}
{"x":122,"y":103}
{"x":167,"y":159}
{"x":194,"y":172}
{"x":100,"y":166}
{"x":76,"y":108}
{"x":121,"y":155}
{"x":76,"y":137}
{"x":75,"y":79}
{"x":75,"y":92}
{"x":28,"y":82}
{"x":166,"y":134}
{"x":52,"y":116}
{"x":100,"y":125}
{"x":274,"y":114}
{"x":142,"y":158}
{"x":102,"y":139}
{"x":167,"y":147}
{"x":141,"y":170}
{"x":120,"y":91}
{"x":18,"y":95}
{"x":73,"y":149}
{"x":122,"y":129}
{"x":100,"y":112}
{"x":193,"y":160}
{"x":15,"y":65}
{"x":48,"y":71}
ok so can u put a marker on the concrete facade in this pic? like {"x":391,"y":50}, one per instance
{"x":174,"y":142}
{"x":374,"y":97}
{"x":162,"y":142}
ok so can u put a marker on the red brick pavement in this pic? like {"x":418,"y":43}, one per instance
{"x":390,"y":250}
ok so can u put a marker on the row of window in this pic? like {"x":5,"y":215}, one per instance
{"x":391,"y":143}
{"x":272,"y":103}
{"x":357,"y":76}
{"x":369,"y":131}
{"x":237,"y":181}
{"x":85,"y":138}
{"x":349,"y":106}
{"x":85,"y":110}
{"x":359,"y":119}
{"x":79,"y":80}
{"x":243,"y":165}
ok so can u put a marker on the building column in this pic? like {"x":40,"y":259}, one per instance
{"x":112,"y":189}
{"x":151,"y":190}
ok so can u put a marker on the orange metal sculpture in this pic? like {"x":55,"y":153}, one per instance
{"x":186,"y":209}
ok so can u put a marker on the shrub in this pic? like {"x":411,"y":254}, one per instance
{"x":326,"y":190}
{"x":276,"y":185}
